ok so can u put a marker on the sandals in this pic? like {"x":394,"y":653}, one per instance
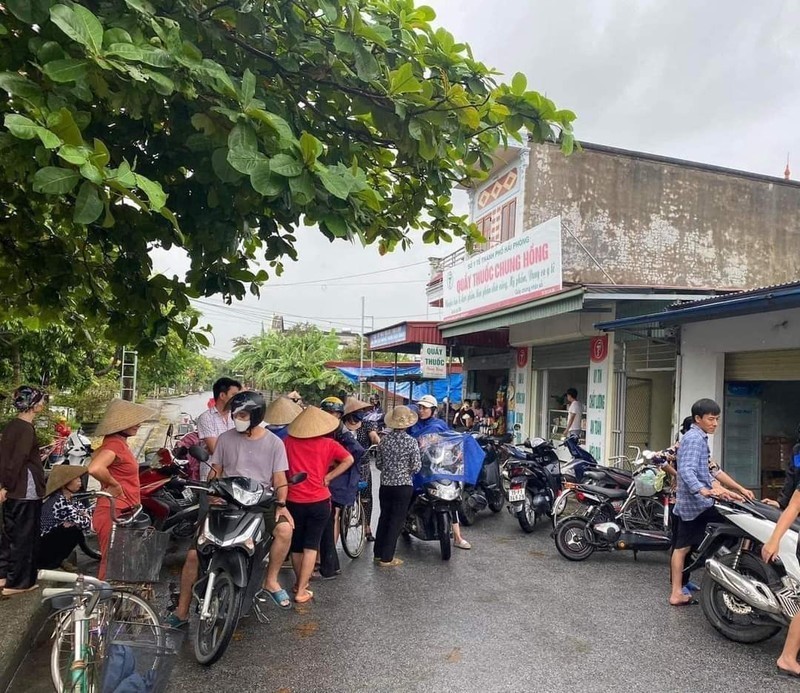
{"x":11,"y":592}
{"x":280,"y":597}
{"x":302,"y":599}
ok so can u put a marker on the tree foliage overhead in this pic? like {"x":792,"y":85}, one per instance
{"x":221,"y":128}
{"x":291,"y":360}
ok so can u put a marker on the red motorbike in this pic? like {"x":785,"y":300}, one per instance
{"x":170,"y":510}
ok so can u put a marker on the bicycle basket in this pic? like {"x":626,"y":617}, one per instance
{"x":646,"y":484}
{"x":135,"y":555}
{"x":139,"y":657}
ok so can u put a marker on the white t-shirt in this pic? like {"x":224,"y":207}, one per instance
{"x":575,"y":408}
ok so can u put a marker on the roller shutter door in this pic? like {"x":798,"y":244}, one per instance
{"x":782,"y":364}
{"x":569,"y":355}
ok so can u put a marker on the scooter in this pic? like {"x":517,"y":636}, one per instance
{"x":170,"y":508}
{"x":430,"y":515}
{"x":744,"y":598}
{"x":534,"y":481}
{"x":488,"y":490}
{"x":232,"y":546}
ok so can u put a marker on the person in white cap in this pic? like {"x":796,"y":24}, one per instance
{"x":427,"y":425}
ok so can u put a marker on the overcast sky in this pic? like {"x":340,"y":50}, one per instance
{"x":714,"y":82}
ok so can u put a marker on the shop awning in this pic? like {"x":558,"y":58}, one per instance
{"x":408,"y":378}
{"x":742,"y":303}
{"x":563,"y":302}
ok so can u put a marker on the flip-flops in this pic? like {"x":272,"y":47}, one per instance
{"x":280,"y":597}
{"x":11,"y":592}
{"x":688,"y":602}
{"x":307,"y":597}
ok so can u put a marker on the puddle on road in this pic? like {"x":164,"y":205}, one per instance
{"x":306,"y":630}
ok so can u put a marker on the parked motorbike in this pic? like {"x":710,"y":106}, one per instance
{"x":634,"y":519}
{"x":170,"y":508}
{"x":534,"y":481}
{"x":232,"y":546}
{"x":744,"y":598}
{"x":488,"y":490}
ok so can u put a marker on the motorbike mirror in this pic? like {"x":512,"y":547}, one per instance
{"x":297,"y":478}
{"x":199,"y":453}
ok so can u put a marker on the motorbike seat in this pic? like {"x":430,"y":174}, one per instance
{"x":610,"y":493}
{"x":773,"y":514}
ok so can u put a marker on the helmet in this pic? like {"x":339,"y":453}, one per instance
{"x":332,"y":405}
{"x":249,"y":401}
{"x":26,"y":398}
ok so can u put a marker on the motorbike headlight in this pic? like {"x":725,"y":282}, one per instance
{"x":246,"y":497}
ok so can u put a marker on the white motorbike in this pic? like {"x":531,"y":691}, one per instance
{"x":744,"y":598}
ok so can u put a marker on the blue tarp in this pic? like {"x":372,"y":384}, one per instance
{"x":437,"y":388}
{"x":450,"y":455}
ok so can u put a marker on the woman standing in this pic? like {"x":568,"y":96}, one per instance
{"x":310,"y":450}
{"x":64,"y":520}
{"x":398,"y":461}
{"x":115,"y":467}
{"x":21,"y":489}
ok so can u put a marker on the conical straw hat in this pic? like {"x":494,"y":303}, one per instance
{"x":313,"y":422}
{"x":122,"y":414}
{"x":282,"y":411}
{"x":354,"y":404}
{"x":401,"y":417}
{"x":61,"y":475}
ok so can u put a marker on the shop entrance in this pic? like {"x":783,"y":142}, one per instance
{"x":487,"y":389}
{"x":551,"y":400}
{"x":760,"y":417}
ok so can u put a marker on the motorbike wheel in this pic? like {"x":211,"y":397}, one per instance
{"x":443,"y":530}
{"x":89,"y":546}
{"x":466,"y":513}
{"x":496,"y":502}
{"x":729,"y":615}
{"x":214,"y":635}
{"x":527,"y":517}
{"x":571,"y":540}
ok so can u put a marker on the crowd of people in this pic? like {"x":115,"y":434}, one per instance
{"x":325,"y":450}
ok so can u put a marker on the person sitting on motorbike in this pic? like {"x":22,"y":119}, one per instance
{"x":427,"y":425}
{"x":62,"y":428}
{"x":344,"y":488}
{"x":787,"y":662}
{"x":251,"y":451}
{"x":63,"y":520}
{"x":310,"y":450}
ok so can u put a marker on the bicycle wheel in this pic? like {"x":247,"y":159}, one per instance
{"x":139,"y":617}
{"x":353,"y":528}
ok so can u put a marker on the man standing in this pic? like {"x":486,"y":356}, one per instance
{"x":575,"y":414}
{"x":216,"y":420}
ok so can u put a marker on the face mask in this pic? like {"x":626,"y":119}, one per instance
{"x":241,"y":426}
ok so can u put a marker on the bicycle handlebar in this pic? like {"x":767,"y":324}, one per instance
{"x":70,"y":578}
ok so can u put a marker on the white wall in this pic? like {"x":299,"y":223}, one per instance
{"x":703,"y":347}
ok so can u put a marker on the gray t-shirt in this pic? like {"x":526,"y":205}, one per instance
{"x":240,"y":455}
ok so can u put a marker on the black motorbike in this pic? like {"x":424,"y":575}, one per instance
{"x":232,"y":546}
{"x":534,"y":480}
{"x":488,"y":490}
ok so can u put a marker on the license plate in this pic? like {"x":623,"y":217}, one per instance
{"x":516,"y":495}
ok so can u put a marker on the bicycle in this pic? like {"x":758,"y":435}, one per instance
{"x":86,"y":613}
{"x":353,"y":525}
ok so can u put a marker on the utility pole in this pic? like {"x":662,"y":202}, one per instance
{"x":361,"y":358}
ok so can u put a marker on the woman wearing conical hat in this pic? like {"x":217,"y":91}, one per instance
{"x":280,"y":413}
{"x":64,"y":520}
{"x":115,"y":467}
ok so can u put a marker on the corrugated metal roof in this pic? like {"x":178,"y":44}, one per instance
{"x":727,"y":294}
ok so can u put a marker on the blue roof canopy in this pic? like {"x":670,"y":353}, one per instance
{"x":406,"y":375}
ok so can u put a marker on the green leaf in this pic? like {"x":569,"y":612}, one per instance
{"x":310,"y":147}
{"x":243,"y":161}
{"x":21,"y":127}
{"x":77,"y":155}
{"x":224,"y":171}
{"x":275,"y":123}
{"x":402,"y":81}
{"x":20,"y":87}
{"x":415,"y":128}
{"x":66,"y":70}
{"x":53,"y":180}
{"x":90,"y":172}
{"x":101,"y":156}
{"x":336,"y":225}
{"x":116,"y":35}
{"x":88,"y":205}
{"x":3,"y":30}
{"x":141,"y":6}
{"x":155,"y":193}
{"x":302,"y":188}
{"x":366,"y":65}
{"x":335,"y":183}
{"x":248,"y":88}
{"x":264,"y":182}
{"x":124,"y":176}
{"x":63,"y":124}
{"x":343,"y":42}
{"x":79,"y":24}
{"x":243,"y":154}
{"x":21,"y":9}
{"x":126,"y":51}
{"x":284,"y":165}
{"x":518,"y":84}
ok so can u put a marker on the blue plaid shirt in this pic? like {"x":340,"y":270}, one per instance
{"x":693,"y":474}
